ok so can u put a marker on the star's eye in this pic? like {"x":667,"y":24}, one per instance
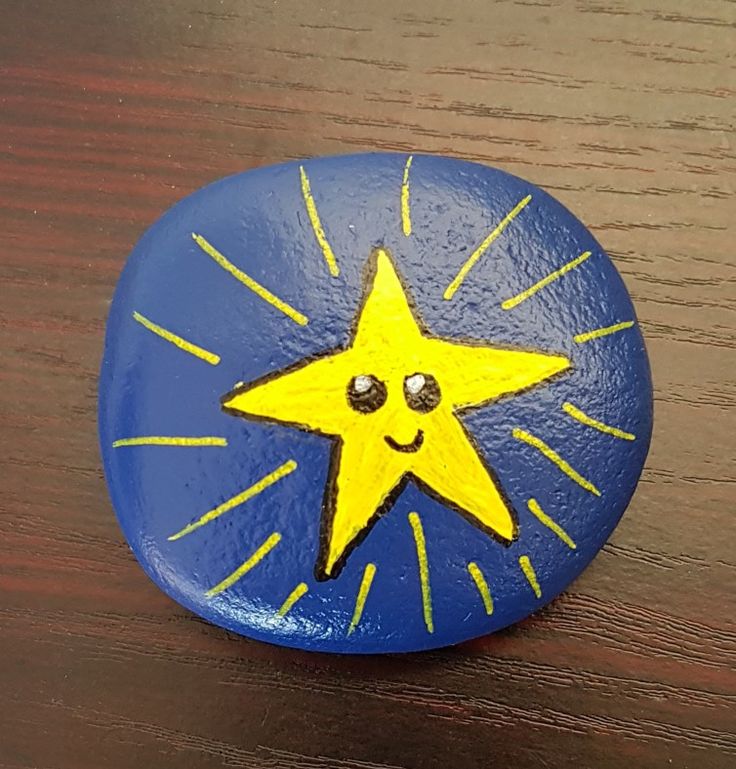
{"x":422,"y":392}
{"x":366,"y":393}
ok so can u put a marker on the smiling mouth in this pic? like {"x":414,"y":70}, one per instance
{"x":406,"y":448}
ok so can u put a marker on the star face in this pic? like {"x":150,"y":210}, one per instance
{"x":390,"y":402}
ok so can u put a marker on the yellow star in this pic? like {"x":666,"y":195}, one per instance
{"x":390,"y":401}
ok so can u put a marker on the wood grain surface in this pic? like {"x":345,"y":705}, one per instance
{"x":109,"y":113}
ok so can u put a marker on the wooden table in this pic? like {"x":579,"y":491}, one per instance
{"x":109,"y":113}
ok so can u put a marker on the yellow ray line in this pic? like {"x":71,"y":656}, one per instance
{"x":249,"y":282}
{"x":319,"y":231}
{"x":238,"y":499}
{"x":405,"y":213}
{"x":294,"y":596}
{"x":418,"y":531}
{"x":242,"y":570}
{"x":473,"y":258}
{"x":530,"y":574}
{"x":555,"y":458}
{"x":365,"y":585}
{"x":537,"y":511}
{"x":181,"y":343}
{"x":599,"y":332}
{"x":581,"y":416}
{"x":168,"y":440}
{"x":553,"y":276}
{"x":482,"y":585}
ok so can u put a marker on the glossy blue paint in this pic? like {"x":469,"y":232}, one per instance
{"x":258,"y":220}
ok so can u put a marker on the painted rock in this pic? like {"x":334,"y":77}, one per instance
{"x":373,"y":403}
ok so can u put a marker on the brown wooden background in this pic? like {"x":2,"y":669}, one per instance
{"x":110,"y":112}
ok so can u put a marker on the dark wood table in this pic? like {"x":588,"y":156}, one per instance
{"x":110,"y":112}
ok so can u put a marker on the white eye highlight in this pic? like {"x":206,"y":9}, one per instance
{"x":415,"y":383}
{"x":362,"y":383}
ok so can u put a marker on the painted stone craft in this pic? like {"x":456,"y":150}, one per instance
{"x":373,"y":403}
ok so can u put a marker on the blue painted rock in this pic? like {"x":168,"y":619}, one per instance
{"x":374,"y":403}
